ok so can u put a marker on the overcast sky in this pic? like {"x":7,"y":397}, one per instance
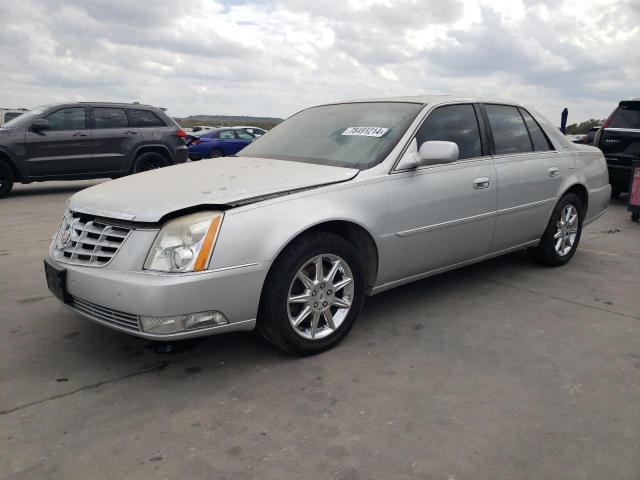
{"x":275,"y":57}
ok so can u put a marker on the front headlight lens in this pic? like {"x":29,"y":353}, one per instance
{"x":185,"y":244}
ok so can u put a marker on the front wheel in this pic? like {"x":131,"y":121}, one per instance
{"x":215,"y":153}
{"x":560,"y":240}
{"x":312,"y":295}
{"x":6,"y":179}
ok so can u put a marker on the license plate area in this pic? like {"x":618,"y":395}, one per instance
{"x":57,"y":281}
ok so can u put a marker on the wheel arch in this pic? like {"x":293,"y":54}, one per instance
{"x":4,"y":157}
{"x":352,"y":232}
{"x":156,"y":148}
{"x":581,"y":192}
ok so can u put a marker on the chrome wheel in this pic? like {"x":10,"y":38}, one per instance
{"x":320,"y":296}
{"x":566,"y":230}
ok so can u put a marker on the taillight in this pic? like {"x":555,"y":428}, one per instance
{"x":195,"y":141}
{"x":180,"y":133}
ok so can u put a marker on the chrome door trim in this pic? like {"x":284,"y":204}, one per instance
{"x":525,"y":206}
{"x":451,"y":223}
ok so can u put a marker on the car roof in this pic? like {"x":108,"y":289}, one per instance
{"x":428,"y":99}
{"x":103,"y":104}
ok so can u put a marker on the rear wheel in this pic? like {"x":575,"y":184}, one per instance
{"x":6,"y":179}
{"x":149,"y":161}
{"x":560,"y":240}
{"x":312,"y":295}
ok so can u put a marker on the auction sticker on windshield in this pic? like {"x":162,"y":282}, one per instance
{"x":365,"y":131}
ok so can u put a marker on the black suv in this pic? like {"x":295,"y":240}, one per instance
{"x":73,"y":141}
{"x":619,"y":140}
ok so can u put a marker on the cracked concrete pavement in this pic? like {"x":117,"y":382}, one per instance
{"x":500,"y":370}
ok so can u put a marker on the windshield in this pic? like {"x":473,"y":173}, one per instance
{"x":354,"y":135}
{"x":25,"y":119}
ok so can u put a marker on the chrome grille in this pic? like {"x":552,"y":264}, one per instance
{"x":123,"y":320}
{"x":83,"y":240}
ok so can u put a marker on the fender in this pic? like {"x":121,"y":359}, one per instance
{"x":153,"y":145}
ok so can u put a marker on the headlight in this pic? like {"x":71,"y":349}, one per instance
{"x":185,"y":244}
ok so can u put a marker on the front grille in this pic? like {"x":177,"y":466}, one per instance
{"x":83,"y":240}
{"x":126,"y":321}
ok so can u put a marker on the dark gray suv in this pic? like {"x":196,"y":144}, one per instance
{"x":73,"y":141}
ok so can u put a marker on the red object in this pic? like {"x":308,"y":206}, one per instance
{"x":181,"y":133}
{"x":634,"y":193}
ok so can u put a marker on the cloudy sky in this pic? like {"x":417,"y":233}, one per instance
{"x":274,"y":57}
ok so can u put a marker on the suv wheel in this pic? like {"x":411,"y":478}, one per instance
{"x":148,"y":161}
{"x":560,"y":239}
{"x":6,"y":179}
{"x":312,"y":295}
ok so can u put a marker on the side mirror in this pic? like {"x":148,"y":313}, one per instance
{"x":436,"y":151}
{"x":431,"y":153}
{"x":40,"y":124}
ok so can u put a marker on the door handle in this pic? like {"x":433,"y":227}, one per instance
{"x":553,"y":171}
{"x":482,"y":182}
{"x":131,"y":132}
{"x":79,"y":134}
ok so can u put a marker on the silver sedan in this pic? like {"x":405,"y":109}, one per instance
{"x":338,"y":202}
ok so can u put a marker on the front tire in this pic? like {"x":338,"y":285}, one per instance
{"x":560,"y":240}
{"x":6,"y":179}
{"x":216,"y":153}
{"x":312,"y":295}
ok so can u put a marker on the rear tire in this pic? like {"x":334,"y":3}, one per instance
{"x":560,"y":240}
{"x":327,"y":290}
{"x":6,"y":179}
{"x":148,"y":161}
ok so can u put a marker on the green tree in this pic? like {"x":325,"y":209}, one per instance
{"x":584,"y":127}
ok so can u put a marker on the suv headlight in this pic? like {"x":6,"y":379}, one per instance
{"x":185,"y":244}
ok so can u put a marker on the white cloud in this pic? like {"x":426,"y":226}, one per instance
{"x":274,"y":57}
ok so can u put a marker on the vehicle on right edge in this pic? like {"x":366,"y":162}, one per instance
{"x":619,"y":140}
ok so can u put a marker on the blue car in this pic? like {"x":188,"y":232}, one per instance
{"x":219,"y":143}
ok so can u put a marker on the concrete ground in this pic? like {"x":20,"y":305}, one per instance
{"x":502,"y":370}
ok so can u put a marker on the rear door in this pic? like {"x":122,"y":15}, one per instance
{"x":529,"y":173}
{"x":114,"y":140}
{"x":62,"y":149}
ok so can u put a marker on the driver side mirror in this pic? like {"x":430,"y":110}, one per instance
{"x":432,"y":152}
{"x":40,"y":124}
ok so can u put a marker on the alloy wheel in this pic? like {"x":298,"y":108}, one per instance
{"x":566,"y":230}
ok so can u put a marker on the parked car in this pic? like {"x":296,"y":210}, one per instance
{"x":7,"y":114}
{"x":71,"y":141}
{"x":619,"y":139}
{"x":219,"y":143}
{"x":591,"y":135}
{"x":576,"y":138}
{"x":338,"y":202}
{"x":255,"y":131}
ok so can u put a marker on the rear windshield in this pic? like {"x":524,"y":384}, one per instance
{"x":626,"y":116}
{"x":353,"y":135}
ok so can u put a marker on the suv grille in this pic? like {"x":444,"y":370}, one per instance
{"x":83,"y":240}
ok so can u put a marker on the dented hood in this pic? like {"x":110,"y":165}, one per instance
{"x":149,"y":196}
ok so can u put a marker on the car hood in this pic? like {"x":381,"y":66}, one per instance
{"x":149,"y":196}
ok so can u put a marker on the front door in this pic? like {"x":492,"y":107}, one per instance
{"x":444,"y":214}
{"x":62,"y":149}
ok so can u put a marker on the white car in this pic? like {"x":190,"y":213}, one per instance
{"x":255,"y":131}
{"x":7,"y":114}
{"x":198,"y":130}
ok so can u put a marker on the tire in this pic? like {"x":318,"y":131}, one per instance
{"x":635,"y":217}
{"x":276,"y":315}
{"x":556,"y":247}
{"x":215,"y":153}
{"x":6,"y":179}
{"x":148,"y":161}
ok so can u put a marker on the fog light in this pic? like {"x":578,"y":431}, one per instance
{"x":178,"y":323}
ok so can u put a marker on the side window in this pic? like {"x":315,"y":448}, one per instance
{"x":453,"y":123}
{"x":67,"y":119}
{"x":147,"y":118}
{"x":244,"y":135}
{"x":109,"y":117}
{"x":538,"y":138}
{"x":509,"y":132}
{"x":226,"y":135}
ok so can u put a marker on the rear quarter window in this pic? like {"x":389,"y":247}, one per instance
{"x":538,"y":138}
{"x":144,"y":118}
